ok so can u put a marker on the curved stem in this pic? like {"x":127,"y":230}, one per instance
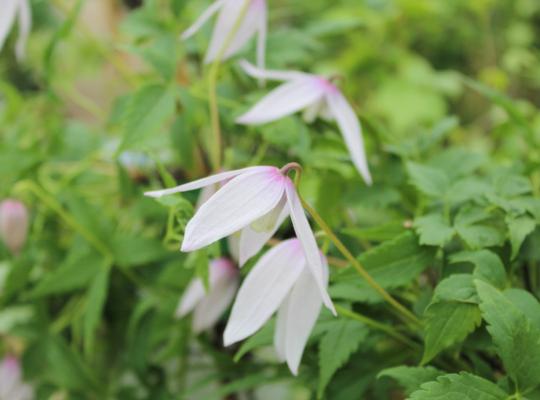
{"x":376,"y":325}
{"x":216,"y":142}
{"x":356,"y":264}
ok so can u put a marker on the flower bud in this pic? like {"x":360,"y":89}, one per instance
{"x":13,"y":224}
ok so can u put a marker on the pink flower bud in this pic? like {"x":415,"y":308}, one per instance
{"x":13,"y":224}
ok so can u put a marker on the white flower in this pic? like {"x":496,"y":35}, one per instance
{"x":223,"y":280}
{"x":280,"y":281}
{"x":318,"y":97}
{"x":255,"y":201}
{"x":11,"y":385}
{"x":13,"y":224}
{"x":10,"y":11}
{"x":254,"y":21}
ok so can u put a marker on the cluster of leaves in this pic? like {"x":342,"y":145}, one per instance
{"x":446,"y":93}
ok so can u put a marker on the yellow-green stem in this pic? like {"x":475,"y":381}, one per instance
{"x":216,"y":142}
{"x":376,"y":325}
{"x":356,"y":264}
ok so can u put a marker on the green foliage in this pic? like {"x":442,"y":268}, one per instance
{"x":411,"y":377}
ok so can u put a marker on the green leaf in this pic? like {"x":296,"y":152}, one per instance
{"x":447,"y":323}
{"x":516,"y":336}
{"x":95,"y":301}
{"x":264,"y":337}
{"x":430,"y":181}
{"x":526,"y":303}
{"x":518,"y":229}
{"x":457,"y":287}
{"x":147,"y":110}
{"x":433,"y":230}
{"x":335,"y":348}
{"x":464,"y":386}
{"x":411,"y":377}
{"x":488,"y":266}
{"x":477,"y":235}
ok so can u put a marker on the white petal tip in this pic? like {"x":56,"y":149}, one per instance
{"x":294,"y":371}
{"x":187,"y":247}
{"x":153,"y":194}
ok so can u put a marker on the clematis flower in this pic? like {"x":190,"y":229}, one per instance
{"x":255,"y":201}
{"x":12,"y":10}
{"x":317,"y":96}
{"x":282,"y":282}
{"x":11,"y":385}
{"x":209,"y":306}
{"x":13,"y":224}
{"x":254,"y":21}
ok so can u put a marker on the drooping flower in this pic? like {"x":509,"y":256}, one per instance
{"x":317,"y":96}
{"x":255,"y":201}
{"x":11,"y":11}
{"x":13,"y":224}
{"x":208,"y":306}
{"x":282,"y":282}
{"x":12,"y":386}
{"x":254,"y":21}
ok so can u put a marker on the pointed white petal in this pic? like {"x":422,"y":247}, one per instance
{"x":351,"y":130}
{"x":206,"y":193}
{"x":261,"y":73}
{"x":233,"y":243}
{"x":261,"y":38}
{"x":10,"y":375}
{"x":303,"y":308}
{"x":285,"y":100}
{"x":306,"y":237}
{"x":199,"y":183}
{"x":264,"y":290}
{"x":21,"y":392}
{"x":193,"y":294}
{"x":237,"y":204}
{"x":209,"y":310}
{"x":207,"y":14}
{"x":7,"y":18}
{"x":253,"y":240}
{"x":229,"y":13}
{"x":280,"y":334}
{"x":25,"y":25}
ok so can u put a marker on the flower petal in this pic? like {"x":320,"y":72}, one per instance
{"x":306,"y":237}
{"x":10,"y":375}
{"x":209,"y":310}
{"x":25,"y":25}
{"x":280,"y":334}
{"x":264,"y":289}
{"x":193,"y":294}
{"x":199,"y":183}
{"x":260,"y":73}
{"x":207,"y":14}
{"x":303,"y":308}
{"x":286,"y":99}
{"x":261,"y":38}
{"x":237,"y":204}
{"x":7,"y":18}
{"x":351,"y":130}
{"x":252,"y":240}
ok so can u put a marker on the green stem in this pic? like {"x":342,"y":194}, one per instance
{"x":377,"y":325}
{"x":216,"y":142}
{"x":356,"y":264}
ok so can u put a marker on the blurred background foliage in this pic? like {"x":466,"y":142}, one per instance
{"x":109,"y":103}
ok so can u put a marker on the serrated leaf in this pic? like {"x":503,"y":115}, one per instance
{"x":516,"y":337}
{"x":410,"y":378}
{"x":518,"y":229}
{"x":487,"y":265}
{"x":433,"y":230}
{"x":479,"y":236}
{"x":335,"y":348}
{"x":463,"y":386}
{"x":149,"y":108}
{"x":428,"y":180}
{"x":447,"y":323}
{"x":457,"y":287}
{"x":526,"y":303}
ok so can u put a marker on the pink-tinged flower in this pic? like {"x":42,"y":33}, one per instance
{"x":208,"y":306}
{"x":254,"y":22}
{"x":255,"y":201}
{"x":317,"y":96}
{"x":11,"y":385}
{"x":12,"y":11}
{"x":13,"y":224}
{"x":282,"y":282}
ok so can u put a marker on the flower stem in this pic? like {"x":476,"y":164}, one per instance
{"x":216,"y":142}
{"x":376,"y":325}
{"x":356,"y":264}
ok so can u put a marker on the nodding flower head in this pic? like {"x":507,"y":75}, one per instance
{"x":316,"y":96}
{"x":255,"y":201}
{"x":12,"y":386}
{"x":13,"y":224}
